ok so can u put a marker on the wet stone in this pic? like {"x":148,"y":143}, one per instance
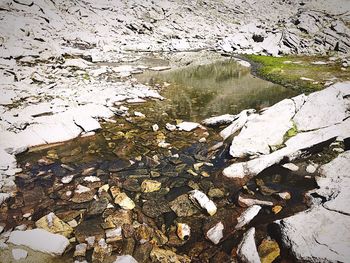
{"x":119,"y":218}
{"x":268,"y":251}
{"x":142,"y":252}
{"x":54,"y":225}
{"x":183,"y":206}
{"x":149,"y":186}
{"x":80,"y":250}
{"x":163,"y":256}
{"x":132,"y":185}
{"x":89,"y":228}
{"x":128,"y":246}
{"x":155,"y":208}
{"x":143,"y":233}
{"x":216,"y":193}
{"x":101,"y":251}
{"x":97,"y":207}
{"x":83,"y":194}
{"x":128,"y":230}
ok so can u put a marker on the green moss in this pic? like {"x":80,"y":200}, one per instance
{"x":288,"y":71}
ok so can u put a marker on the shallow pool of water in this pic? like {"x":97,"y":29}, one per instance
{"x":126,"y":152}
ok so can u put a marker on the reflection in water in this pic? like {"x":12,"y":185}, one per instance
{"x":202,"y":91}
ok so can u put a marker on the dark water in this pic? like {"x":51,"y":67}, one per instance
{"x":194,"y":93}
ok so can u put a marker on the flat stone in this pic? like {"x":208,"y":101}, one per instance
{"x":80,"y":250}
{"x":268,"y":251}
{"x":246,"y":250}
{"x":87,"y":229}
{"x":54,"y":225}
{"x":246,"y":202}
{"x":291,"y":166}
{"x":187,"y":126}
{"x":101,"y":251}
{"x":119,"y":218}
{"x":155,"y":208}
{"x":162,"y":255}
{"x":237,"y":124}
{"x":149,"y":186}
{"x":40,"y":240}
{"x":219,"y":120}
{"x":124,"y":201}
{"x":317,"y":235}
{"x":183,"y":206}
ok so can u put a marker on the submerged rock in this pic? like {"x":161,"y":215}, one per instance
{"x":165,"y":256}
{"x":268,"y":251}
{"x":40,"y":240}
{"x":246,"y":202}
{"x":183,"y":206}
{"x":124,"y":201}
{"x":246,"y":250}
{"x":149,"y":186}
{"x":54,"y":225}
{"x":101,"y":251}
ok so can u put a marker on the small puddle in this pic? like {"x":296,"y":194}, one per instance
{"x":126,"y":152}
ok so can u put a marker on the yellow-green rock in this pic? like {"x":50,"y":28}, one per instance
{"x":268,"y":251}
{"x":54,"y":225}
{"x":149,"y":186}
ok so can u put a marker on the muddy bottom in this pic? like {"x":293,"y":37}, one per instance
{"x":156,"y":169}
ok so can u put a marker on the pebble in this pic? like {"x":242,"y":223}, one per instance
{"x":311,"y":169}
{"x":155,"y":127}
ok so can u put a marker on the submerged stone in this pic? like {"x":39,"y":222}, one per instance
{"x":124,"y":201}
{"x":183,"y":206}
{"x":54,"y":225}
{"x":149,"y":186}
{"x":268,"y":251}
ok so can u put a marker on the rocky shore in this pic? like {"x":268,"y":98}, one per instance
{"x":69,"y":66}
